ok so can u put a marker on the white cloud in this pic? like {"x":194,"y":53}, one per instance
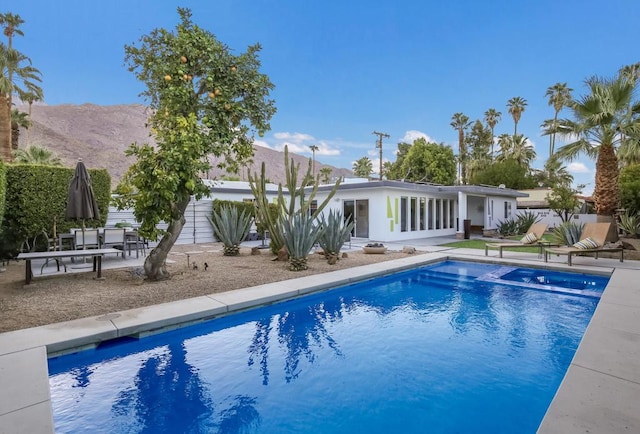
{"x":293,"y":137}
{"x":325,"y":149}
{"x":300,"y":143}
{"x":293,"y":147}
{"x":412,"y":135}
{"x":578,"y":167}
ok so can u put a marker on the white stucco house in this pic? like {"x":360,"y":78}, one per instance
{"x":385,"y":211}
{"x":396,"y":211}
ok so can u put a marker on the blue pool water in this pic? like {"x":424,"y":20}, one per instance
{"x":452,"y":347}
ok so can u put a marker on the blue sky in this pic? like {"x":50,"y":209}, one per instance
{"x":343,"y":69}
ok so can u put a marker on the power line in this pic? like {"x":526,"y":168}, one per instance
{"x":379,"y":146}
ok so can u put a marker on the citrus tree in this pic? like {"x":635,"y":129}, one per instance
{"x":204,"y":101}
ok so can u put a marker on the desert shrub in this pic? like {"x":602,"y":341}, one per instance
{"x":567,"y":233}
{"x":518,"y":225}
{"x":300,"y":234}
{"x":231,"y":226}
{"x":508,"y":227}
{"x":335,"y":233}
{"x":630,"y":224}
{"x":525,"y":220}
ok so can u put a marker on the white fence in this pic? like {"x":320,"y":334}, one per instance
{"x":197,"y":228}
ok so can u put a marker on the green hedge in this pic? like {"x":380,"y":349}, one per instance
{"x":629,"y":181}
{"x":37,"y":194}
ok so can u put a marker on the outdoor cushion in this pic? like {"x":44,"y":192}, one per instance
{"x":587,"y":243}
{"x":529,"y":238}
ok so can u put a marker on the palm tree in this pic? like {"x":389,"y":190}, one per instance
{"x":313,"y":148}
{"x":559,"y":97}
{"x":601,"y":123}
{"x":554,"y":174}
{"x":18,"y":119}
{"x":460,"y":122}
{"x":517,"y":148}
{"x":504,"y":143}
{"x":325,"y":174}
{"x":631,"y":72}
{"x":16,"y":75}
{"x":363,"y":167}
{"x":516,"y":106}
{"x":31,"y":96}
{"x":492,"y":117}
{"x":37,"y":155}
{"x":10,"y":24}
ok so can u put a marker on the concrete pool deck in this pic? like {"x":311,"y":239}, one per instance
{"x":598,"y":394}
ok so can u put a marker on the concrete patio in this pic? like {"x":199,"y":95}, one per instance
{"x":600,"y":391}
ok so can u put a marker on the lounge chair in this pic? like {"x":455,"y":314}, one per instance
{"x":592,"y":241}
{"x":537,"y":229}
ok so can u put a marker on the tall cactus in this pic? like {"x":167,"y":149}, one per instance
{"x":290,"y":204}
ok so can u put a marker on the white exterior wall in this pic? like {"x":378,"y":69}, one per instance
{"x":551,"y":218}
{"x":385,"y":212}
{"x":197,"y":228}
{"x":491,"y":221}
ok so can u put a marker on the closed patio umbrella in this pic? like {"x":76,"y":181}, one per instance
{"x":81,"y":202}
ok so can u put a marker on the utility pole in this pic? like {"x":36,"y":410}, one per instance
{"x":379,"y":146}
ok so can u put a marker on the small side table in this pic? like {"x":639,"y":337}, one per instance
{"x":543,"y":245}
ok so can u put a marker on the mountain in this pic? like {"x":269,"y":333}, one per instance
{"x":99,"y":135}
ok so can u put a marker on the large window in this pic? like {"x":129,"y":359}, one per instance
{"x":414,"y":212}
{"x":423,"y":205}
{"x":438,"y":211}
{"x":403,"y":214}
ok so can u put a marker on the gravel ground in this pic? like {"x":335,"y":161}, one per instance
{"x":70,"y":296}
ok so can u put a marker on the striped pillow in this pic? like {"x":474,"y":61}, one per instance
{"x":529,"y":238}
{"x":587,"y":243}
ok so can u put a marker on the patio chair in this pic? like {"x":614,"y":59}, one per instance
{"x":533,"y":237}
{"x":115,"y":238}
{"x":592,"y":241}
{"x":86,"y":239}
{"x":134,"y":240}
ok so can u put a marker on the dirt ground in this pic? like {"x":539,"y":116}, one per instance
{"x":70,"y":296}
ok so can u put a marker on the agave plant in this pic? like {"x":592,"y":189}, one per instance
{"x":525,"y":221}
{"x":630,"y":224}
{"x":300,"y":234}
{"x":508,"y":227}
{"x":231,"y":227}
{"x":567,"y":233}
{"x":334,"y":233}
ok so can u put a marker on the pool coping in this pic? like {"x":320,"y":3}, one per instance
{"x":25,"y":404}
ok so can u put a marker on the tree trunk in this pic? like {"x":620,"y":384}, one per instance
{"x":155,"y":266}
{"x":15,"y":135}
{"x":5,"y":130}
{"x":463,"y":156}
{"x":606,"y":193}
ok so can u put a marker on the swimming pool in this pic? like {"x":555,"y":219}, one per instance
{"x":452,"y":347}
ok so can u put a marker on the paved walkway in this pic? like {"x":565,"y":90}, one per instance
{"x":600,"y":392}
